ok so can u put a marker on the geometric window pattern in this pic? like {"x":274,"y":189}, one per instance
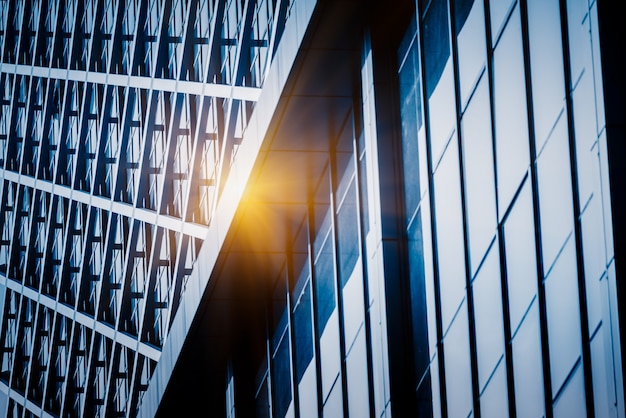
{"x":508,"y":212}
{"x":118,"y":124}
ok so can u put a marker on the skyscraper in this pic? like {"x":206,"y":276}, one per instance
{"x":300,"y":208}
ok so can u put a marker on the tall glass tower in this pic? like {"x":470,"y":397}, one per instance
{"x":306,"y":208}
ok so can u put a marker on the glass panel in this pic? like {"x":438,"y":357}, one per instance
{"x":348,"y":233}
{"x":563,"y":309}
{"x":471,"y":44}
{"x":479,"y":180}
{"x":325,"y":284}
{"x":494,"y":400}
{"x":571,"y":403}
{"x":521,"y":264}
{"x":436,"y":42}
{"x":410,"y":113}
{"x":555,"y":192}
{"x":546,"y":65}
{"x":488,"y":318}
{"x":356,"y":369}
{"x":449,"y":223}
{"x":457,"y":366}
{"x":498,"y":10}
{"x":303,"y":332}
{"x":512,"y":152}
{"x":281,"y":374}
{"x":527,"y":366}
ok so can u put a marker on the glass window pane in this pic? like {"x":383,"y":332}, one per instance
{"x":449,"y":223}
{"x":521,"y":264}
{"x":571,"y":403}
{"x":546,"y":62}
{"x":555,"y":192}
{"x":348,"y":233}
{"x":325,"y":284}
{"x":494,"y":399}
{"x":479,"y":179}
{"x":527,"y":366}
{"x":512,"y":152}
{"x":303,"y":332}
{"x":472,"y":46}
{"x":436,"y":42}
{"x":487,"y":293}
{"x":499,"y":10}
{"x":563,"y":310}
{"x":281,"y":374}
{"x":457,"y":366}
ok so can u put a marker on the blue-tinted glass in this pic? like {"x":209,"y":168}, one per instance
{"x":436,"y":42}
{"x":512,"y":152}
{"x":410,"y":114}
{"x":442,"y":114}
{"x":571,"y":403}
{"x":498,"y":10}
{"x":521,"y":264}
{"x":418,"y":295}
{"x":479,"y":179}
{"x":605,"y":400}
{"x":325,"y":284}
{"x":457,"y":365}
{"x":594,"y":256}
{"x":281,"y":377}
{"x":494,"y":399}
{"x":555,"y":192}
{"x":472,"y":47}
{"x":563,"y":310}
{"x":356,"y":370}
{"x":303,"y":332}
{"x":546,"y":62}
{"x":449,"y":224}
{"x":585,"y":134}
{"x":462,"y":10}
{"x":489,"y":324}
{"x":527,"y":366}
{"x":348,"y":233}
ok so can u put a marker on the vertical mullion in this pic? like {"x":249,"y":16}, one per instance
{"x":310,"y":216}
{"x":580,"y":267}
{"x":461,"y":165}
{"x":508,"y":343}
{"x":543,"y":314}
{"x":334,"y":182}
{"x":433,"y":224}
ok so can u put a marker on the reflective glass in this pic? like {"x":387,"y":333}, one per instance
{"x":436,"y":42}
{"x":555,"y":192}
{"x":546,"y":65}
{"x":472,"y":46}
{"x":479,"y":179}
{"x":325,"y":284}
{"x":348,"y":233}
{"x":488,"y":316}
{"x":494,"y":399}
{"x":512,"y":152}
{"x":521,"y":264}
{"x":449,"y":224}
{"x":457,"y":365}
{"x":571,"y":403}
{"x":563,"y":310}
{"x":527,"y":366}
{"x":303,"y":332}
{"x":281,"y":377}
{"x":499,"y":11}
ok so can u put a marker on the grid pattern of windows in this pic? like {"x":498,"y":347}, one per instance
{"x":509,"y":239}
{"x":119,"y":121}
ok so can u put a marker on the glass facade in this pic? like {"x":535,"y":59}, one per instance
{"x":294,"y":208}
